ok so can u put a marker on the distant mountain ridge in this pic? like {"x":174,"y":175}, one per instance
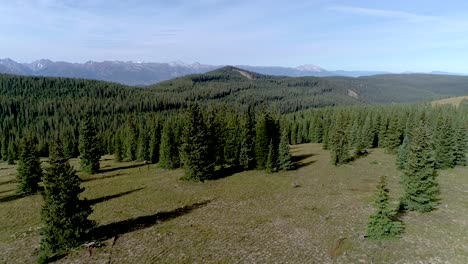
{"x":147,"y":73}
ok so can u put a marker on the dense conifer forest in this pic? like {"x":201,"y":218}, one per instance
{"x":227,"y":120}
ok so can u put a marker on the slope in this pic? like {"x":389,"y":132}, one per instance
{"x":235,"y":85}
{"x":404,"y":88}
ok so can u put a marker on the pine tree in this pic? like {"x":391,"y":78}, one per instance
{"x":231,"y":146}
{"x":262,"y":140}
{"x":144,"y":147}
{"x":382,"y":223}
{"x":383,"y":132}
{"x":284,"y":155}
{"x":360,"y":143}
{"x":12,"y":152}
{"x":393,"y":135}
{"x":272,"y":158}
{"x":445,"y":144}
{"x":318,"y":130}
{"x":294,"y":129}
{"x":155,"y":143}
{"x":340,"y":146}
{"x":419,"y":178}
{"x":69,"y":145}
{"x":118,"y":148}
{"x":168,"y":149}
{"x":197,"y":160}
{"x":89,"y":146}
{"x":64,"y":215}
{"x":216,"y":127}
{"x":461,"y":144}
{"x":247,"y":151}
{"x":29,"y":168}
{"x":402,"y":155}
{"x":4,"y":148}
{"x":367,"y":135}
{"x":132,"y":140}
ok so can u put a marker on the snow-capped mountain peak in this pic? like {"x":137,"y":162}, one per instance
{"x":310,"y":68}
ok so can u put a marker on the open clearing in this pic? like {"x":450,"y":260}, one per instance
{"x":147,"y":215}
{"x":455,"y":101}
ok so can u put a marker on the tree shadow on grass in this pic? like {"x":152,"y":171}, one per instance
{"x":11,"y":198}
{"x":299,"y":165}
{"x":105,"y":232}
{"x":110,"y":197}
{"x":6,"y":191}
{"x":226,"y":172}
{"x":102,"y":177}
{"x":123,"y":167}
{"x":7,"y":182}
{"x":358,"y":155}
{"x":299,"y":158}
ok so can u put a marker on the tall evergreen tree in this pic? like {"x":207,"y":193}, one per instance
{"x":155,"y":142}
{"x":382,"y":223}
{"x":445,"y":143}
{"x":272,"y":158}
{"x":367,"y":134}
{"x":195,"y":150}
{"x":144,"y":147}
{"x":64,"y":215}
{"x":393,"y":135}
{"x":69,"y":145}
{"x":340,"y":146}
{"x":231,"y":145}
{"x":247,"y":152}
{"x":29,"y":168}
{"x":262,"y":140}
{"x":294,"y":129}
{"x":419,"y":178}
{"x":168,"y":150}
{"x":4,"y":149}
{"x":118,"y":148}
{"x":461,"y":143}
{"x":384,"y":122}
{"x":132,"y":139}
{"x":89,"y":146}
{"x":12,"y":152}
{"x":284,"y":155}
{"x":402,"y":155}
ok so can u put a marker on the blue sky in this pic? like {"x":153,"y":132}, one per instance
{"x":352,"y":35}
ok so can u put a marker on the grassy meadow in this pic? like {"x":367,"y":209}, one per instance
{"x":147,"y":215}
{"x":455,"y":101}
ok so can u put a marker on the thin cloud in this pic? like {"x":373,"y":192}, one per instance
{"x":382,"y":13}
{"x":439,"y":24}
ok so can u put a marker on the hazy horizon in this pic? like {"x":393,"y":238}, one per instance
{"x":397,"y":36}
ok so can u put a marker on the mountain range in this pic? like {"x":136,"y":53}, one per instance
{"x":142,"y":73}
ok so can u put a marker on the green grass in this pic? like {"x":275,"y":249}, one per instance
{"x":247,"y":217}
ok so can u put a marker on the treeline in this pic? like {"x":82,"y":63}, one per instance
{"x":51,"y":107}
{"x":351,"y":131}
{"x":424,"y":138}
{"x":204,"y":141}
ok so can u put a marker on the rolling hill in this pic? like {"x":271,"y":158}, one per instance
{"x":234,"y":85}
{"x":386,"y":88}
{"x":404,"y":88}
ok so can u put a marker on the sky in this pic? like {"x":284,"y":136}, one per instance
{"x":349,"y":35}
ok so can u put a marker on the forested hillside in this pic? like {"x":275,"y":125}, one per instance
{"x":404,"y":88}
{"x":46,"y":106}
{"x":213,"y":125}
